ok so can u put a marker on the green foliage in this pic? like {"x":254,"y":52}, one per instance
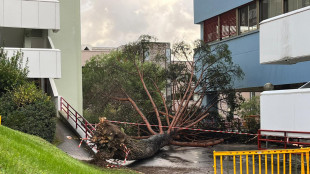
{"x":109,"y":80}
{"x":28,"y":109}
{"x":12,"y":73}
{"x":249,"y":112}
{"x":23,"y":153}
{"x":107,"y":77}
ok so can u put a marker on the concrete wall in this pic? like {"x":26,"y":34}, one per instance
{"x":68,"y":40}
{"x":205,"y":9}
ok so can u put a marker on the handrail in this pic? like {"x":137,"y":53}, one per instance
{"x":285,"y":138}
{"x":79,"y":120}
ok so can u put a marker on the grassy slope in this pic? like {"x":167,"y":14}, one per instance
{"x":23,"y":153}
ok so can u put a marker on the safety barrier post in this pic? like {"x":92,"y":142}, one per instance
{"x":258,"y":139}
{"x":85,"y":128}
{"x":76,"y":120}
{"x":271,"y":158}
{"x":214,"y":166}
{"x":68,"y":112}
{"x":0,"y":120}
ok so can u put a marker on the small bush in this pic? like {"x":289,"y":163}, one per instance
{"x":12,"y":73}
{"x":29,"y":110}
{"x":250,"y":111}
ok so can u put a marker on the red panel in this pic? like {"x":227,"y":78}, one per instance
{"x":211,"y":29}
{"x":228,"y":24}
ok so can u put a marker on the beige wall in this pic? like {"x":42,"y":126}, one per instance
{"x":68,"y":40}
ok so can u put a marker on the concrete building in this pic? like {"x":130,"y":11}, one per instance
{"x":237,"y":23}
{"x":88,"y":52}
{"x":48,"y":32}
{"x":268,"y":39}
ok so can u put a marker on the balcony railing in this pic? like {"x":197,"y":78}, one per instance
{"x":36,"y":14}
{"x":284,"y":38}
{"x":42,"y":63}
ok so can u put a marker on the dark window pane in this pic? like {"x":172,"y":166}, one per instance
{"x":292,"y":5}
{"x":211,"y":29}
{"x":263,"y":10}
{"x":305,"y":3}
{"x":244,"y":20}
{"x":228,"y":24}
{"x":270,"y":8}
{"x":252,"y":17}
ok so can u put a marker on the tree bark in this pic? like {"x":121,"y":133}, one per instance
{"x":112,"y":143}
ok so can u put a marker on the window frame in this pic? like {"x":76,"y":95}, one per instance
{"x":259,"y":14}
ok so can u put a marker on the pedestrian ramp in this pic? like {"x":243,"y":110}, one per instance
{"x":78,"y":123}
{"x":286,"y":161}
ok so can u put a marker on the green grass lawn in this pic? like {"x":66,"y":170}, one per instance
{"x":23,"y":153}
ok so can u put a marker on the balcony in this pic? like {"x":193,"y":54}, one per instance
{"x":42,"y":63}
{"x":34,"y":14}
{"x":284,"y":38}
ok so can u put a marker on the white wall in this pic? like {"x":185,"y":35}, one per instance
{"x":42,"y":63}
{"x":286,"y":110}
{"x":36,"y":14}
{"x":284,"y":39}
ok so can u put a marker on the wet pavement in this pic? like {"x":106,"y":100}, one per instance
{"x":170,"y":159}
{"x":181,"y":160}
{"x":69,"y":142}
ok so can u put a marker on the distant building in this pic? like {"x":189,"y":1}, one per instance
{"x":88,"y":52}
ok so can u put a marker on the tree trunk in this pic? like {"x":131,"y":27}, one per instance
{"x":112,"y":143}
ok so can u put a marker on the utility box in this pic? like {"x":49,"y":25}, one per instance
{"x":286,"y":110}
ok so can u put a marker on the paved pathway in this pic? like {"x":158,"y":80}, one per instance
{"x":70,"y":146}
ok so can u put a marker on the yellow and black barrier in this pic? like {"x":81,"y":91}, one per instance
{"x":0,"y":120}
{"x":285,"y":161}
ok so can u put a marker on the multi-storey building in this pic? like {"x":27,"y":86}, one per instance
{"x":269,"y":40}
{"x":264,"y":36}
{"x":48,"y":32}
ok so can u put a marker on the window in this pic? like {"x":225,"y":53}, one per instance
{"x":228,"y":24}
{"x":248,"y":18}
{"x":291,"y":5}
{"x":270,"y":8}
{"x":211,"y":29}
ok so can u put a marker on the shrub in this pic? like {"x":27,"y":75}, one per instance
{"x":28,"y":109}
{"x":12,"y":73}
{"x":250,"y":111}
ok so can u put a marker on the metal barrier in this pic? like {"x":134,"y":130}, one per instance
{"x":297,"y":138}
{"x":78,"y":120}
{"x":262,"y":161}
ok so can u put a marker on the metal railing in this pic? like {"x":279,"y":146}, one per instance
{"x":283,"y":137}
{"x":76,"y":120}
{"x":262,"y":161}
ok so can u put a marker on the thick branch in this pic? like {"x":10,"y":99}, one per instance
{"x":151,"y":99}
{"x":148,"y":125}
{"x":165,"y":105}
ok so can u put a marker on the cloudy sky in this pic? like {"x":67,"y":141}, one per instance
{"x":111,"y":23}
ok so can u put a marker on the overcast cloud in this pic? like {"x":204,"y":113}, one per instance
{"x":111,"y":23}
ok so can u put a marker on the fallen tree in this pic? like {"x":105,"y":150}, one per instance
{"x":112,"y":143}
{"x":208,"y":73}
